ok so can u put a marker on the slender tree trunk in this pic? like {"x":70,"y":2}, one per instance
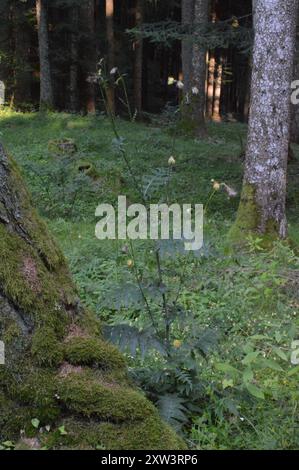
{"x":138,"y":65}
{"x":88,"y":50}
{"x":46,"y":89}
{"x":262,"y":206}
{"x":211,"y":84}
{"x":187,"y":48}
{"x":247,"y":93}
{"x":74,"y":91}
{"x":201,"y":15}
{"x":111,"y":53}
{"x":217,"y":96}
{"x":58,"y":369}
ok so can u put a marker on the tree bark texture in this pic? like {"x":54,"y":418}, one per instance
{"x":187,"y":49}
{"x":263,"y":199}
{"x":88,"y":50}
{"x":138,"y":64}
{"x":201,"y":15}
{"x":111,"y":54}
{"x":46,"y":88}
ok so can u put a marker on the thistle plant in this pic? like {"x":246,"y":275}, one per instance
{"x":157,"y":328}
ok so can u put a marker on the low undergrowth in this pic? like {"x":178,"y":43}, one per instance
{"x":230,"y":383}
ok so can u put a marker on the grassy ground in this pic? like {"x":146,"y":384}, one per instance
{"x":249,"y":388}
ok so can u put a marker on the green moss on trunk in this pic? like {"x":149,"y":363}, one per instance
{"x":58,"y":368}
{"x":248,"y":221}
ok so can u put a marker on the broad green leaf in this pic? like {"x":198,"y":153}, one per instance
{"x":259,"y":337}
{"x":35,"y":423}
{"x":250,"y":357}
{"x":293,"y":371}
{"x":281,"y":354}
{"x":227,"y":383}
{"x":247,"y":375}
{"x":62,"y":431}
{"x":255,"y":391}
{"x":8,"y":444}
{"x":227,"y":368}
{"x":272,"y":365}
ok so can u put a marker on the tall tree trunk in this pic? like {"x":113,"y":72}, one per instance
{"x":201,"y":15}
{"x":211,"y":84}
{"x":247,"y":93}
{"x":262,"y":206}
{"x":111,"y":54}
{"x":74,"y":91}
{"x":138,"y":64}
{"x":295,"y":108}
{"x":88,"y":49}
{"x":46,"y":89}
{"x":58,"y":370}
{"x":187,"y":48}
{"x":22,"y":55}
{"x":211,"y":70}
{"x":217,"y":96}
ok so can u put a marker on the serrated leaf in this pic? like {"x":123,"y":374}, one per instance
{"x":172,"y":409}
{"x":207,"y":340}
{"x":130,"y":339}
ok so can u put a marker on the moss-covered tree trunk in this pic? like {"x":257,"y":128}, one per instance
{"x":58,"y":369}
{"x":262,"y":206}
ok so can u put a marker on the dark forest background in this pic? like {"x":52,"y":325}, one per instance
{"x":82,"y":33}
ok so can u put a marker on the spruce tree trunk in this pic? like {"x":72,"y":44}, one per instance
{"x":74,"y":91}
{"x":46,"y":89}
{"x":201,"y":15}
{"x":58,"y":369}
{"x":211,"y":84}
{"x":187,"y":48}
{"x":262,"y":207}
{"x":217,"y":94}
{"x":111,"y":54}
{"x":88,"y":51}
{"x":138,"y":65}
{"x":295,"y":108}
{"x":22,"y":34}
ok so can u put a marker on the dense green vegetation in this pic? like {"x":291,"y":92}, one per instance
{"x":230,"y":383}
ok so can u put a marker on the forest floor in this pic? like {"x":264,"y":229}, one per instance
{"x":247,"y":302}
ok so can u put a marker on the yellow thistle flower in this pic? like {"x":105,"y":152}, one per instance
{"x":177,"y":343}
{"x":216,"y":185}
